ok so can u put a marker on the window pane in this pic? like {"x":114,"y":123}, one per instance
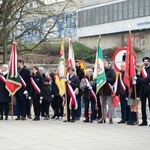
{"x":130,"y":9}
{"x":115,"y":12}
{"x":136,"y":8}
{"x":141,"y":9}
{"x":111,"y":12}
{"x":101,"y":15}
{"x":97,"y":18}
{"x":105,"y":13}
{"x":147,"y":7}
{"x":120,"y":12}
{"x":93,"y":17}
{"x":125,"y":10}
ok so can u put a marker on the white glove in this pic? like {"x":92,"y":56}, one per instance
{"x":126,"y":98}
{"x":88,"y":85}
{"x":41,"y":97}
{"x":135,"y":78}
{"x":90,"y":88}
{"x":134,"y":81}
{"x":29,"y":97}
{"x":25,"y":92}
{"x":52,"y":96}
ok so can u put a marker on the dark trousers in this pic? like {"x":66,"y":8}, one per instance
{"x":98,"y":111}
{"x":21,"y":106}
{"x":70,"y":111}
{"x":4,"y":109}
{"x":47,"y":108}
{"x":57,"y":106}
{"x":144,"y":97}
{"x":29,"y":103}
{"x":79,"y":110}
{"x":87,"y":102}
{"x":43,"y":108}
{"x":123,"y":104}
{"x":36,"y":105}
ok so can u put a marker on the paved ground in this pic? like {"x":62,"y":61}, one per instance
{"x":57,"y":135}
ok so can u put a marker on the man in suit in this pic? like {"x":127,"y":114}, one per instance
{"x":144,"y":79}
{"x":74,"y":82}
{"x":22,"y":94}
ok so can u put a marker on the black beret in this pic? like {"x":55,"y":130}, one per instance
{"x":146,"y":58}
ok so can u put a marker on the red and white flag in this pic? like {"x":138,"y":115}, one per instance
{"x":13,"y":83}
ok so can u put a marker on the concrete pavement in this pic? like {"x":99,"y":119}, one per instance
{"x":57,"y":135}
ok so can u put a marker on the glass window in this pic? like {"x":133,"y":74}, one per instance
{"x":84,"y":18}
{"x":125,"y":10}
{"x":130,"y":8}
{"x":147,"y":7}
{"x":105,"y":13}
{"x":141,"y":8}
{"x":110,"y":14}
{"x":93,"y":17}
{"x":136,"y":8}
{"x":101,"y":15}
{"x":88,"y":15}
{"x":97,"y":15}
{"x":120,"y":17}
{"x":80,"y":19}
{"x":115,"y":12}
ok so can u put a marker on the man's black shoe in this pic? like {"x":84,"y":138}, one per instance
{"x":23,"y":118}
{"x":72,"y":121}
{"x":18,"y":118}
{"x":121,"y":121}
{"x":66,"y":121}
{"x":85,"y":120}
{"x":143,"y":124}
{"x":91,"y":121}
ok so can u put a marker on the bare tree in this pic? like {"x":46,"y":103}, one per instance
{"x":22,"y":18}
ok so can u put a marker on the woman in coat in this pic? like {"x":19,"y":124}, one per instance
{"x":37,"y":84}
{"x":4,"y":96}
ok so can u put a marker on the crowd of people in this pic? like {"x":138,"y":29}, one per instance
{"x":41,"y":91}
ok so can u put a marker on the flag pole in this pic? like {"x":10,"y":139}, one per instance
{"x":135,"y":92}
{"x":136,"y":104}
{"x":12,"y":107}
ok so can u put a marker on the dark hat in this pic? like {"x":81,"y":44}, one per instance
{"x":47,"y":80}
{"x":146,"y":58}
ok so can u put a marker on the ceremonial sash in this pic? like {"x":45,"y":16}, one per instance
{"x":3,"y":79}
{"x":73,"y":100}
{"x":116,"y":99}
{"x":121,"y":82}
{"x":92,"y":93}
{"x":144,"y":73}
{"x":35,"y":86}
{"x":23,"y":82}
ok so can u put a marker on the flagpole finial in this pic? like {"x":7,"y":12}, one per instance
{"x":129,"y":27}
{"x":99,"y":37}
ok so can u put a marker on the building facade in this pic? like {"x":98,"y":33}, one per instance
{"x":111,"y":19}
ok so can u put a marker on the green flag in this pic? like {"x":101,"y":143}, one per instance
{"x":99,"y":71}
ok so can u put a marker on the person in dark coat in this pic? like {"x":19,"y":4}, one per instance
{"x":121,"y":91}
{"x":80,"y":74}
{"x":74,"y":82}
{"x":131,"y":100}
{"x":36,"y":93}
{"x":4,"y":96}
{"x":105,"y":93}
{"x":87,"y":96}
{"x":43,"y":105}
{"x":22,"y":94}
{"x":144,"y":79}
{"x":57,"y":99}
{"x":47,"y":97}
